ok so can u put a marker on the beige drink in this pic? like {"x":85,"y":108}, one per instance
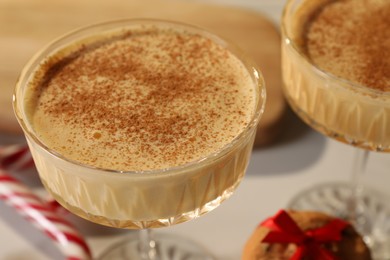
{"x":143,"y":126}
{"x":346,"y":94}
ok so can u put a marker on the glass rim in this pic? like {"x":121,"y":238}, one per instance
{"x":287,"y":39}
{"x":250,"y":66}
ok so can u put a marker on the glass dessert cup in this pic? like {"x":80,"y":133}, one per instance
{"x":348,"y":112}
{"x":142,"y":199}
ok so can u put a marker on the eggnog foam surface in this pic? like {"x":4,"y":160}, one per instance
{"x":143,"y":99}
{"x":350,"y":39}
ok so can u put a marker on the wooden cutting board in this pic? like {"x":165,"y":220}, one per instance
{"x":28,"y":25}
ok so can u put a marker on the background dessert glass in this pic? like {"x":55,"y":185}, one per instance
{"x":141,"y":199}
{"x":348,"y":112}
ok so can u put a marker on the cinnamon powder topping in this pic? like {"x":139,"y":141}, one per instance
{"x":145,"y":99}
{"x":351,"y":39}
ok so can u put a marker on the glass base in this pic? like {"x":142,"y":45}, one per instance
{"x":371,"y":216}
{"x":167,"y":247}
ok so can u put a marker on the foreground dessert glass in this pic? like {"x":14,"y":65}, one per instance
{"x":350,"y":104}
{"x":140,"y":124}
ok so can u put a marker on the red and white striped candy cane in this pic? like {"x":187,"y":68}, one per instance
{"x":15,"y":158}
{"x":39,"y":213}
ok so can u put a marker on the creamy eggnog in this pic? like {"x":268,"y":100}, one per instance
{"x":148,"y":125}
{"x":336,"y":64}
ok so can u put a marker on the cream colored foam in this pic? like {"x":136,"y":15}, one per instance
{"x":353,"y":114}
{"x":351,"y":39}
{"x":90,"y":112}
{"x":138,"y":199}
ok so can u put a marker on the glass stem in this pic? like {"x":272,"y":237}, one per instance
{"x":356,"y":205}
{"x":147,"y":245}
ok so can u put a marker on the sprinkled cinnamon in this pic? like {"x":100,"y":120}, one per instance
{"x":148,"y":98}
{"x":351,"y":39}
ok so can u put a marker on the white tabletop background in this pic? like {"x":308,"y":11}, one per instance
{"x":299,"y":160}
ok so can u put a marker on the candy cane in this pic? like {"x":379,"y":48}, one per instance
{"x":15,"y":158}
{"x":62,"y":233}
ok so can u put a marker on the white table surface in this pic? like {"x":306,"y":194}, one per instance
{"x":299,"y":160}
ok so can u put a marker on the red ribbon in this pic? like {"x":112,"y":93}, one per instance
{"x":285,"y":230}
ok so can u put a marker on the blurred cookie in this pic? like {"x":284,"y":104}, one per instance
{"x":350,"y":247}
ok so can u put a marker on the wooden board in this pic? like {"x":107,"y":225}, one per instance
{"x":28,"y":25}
